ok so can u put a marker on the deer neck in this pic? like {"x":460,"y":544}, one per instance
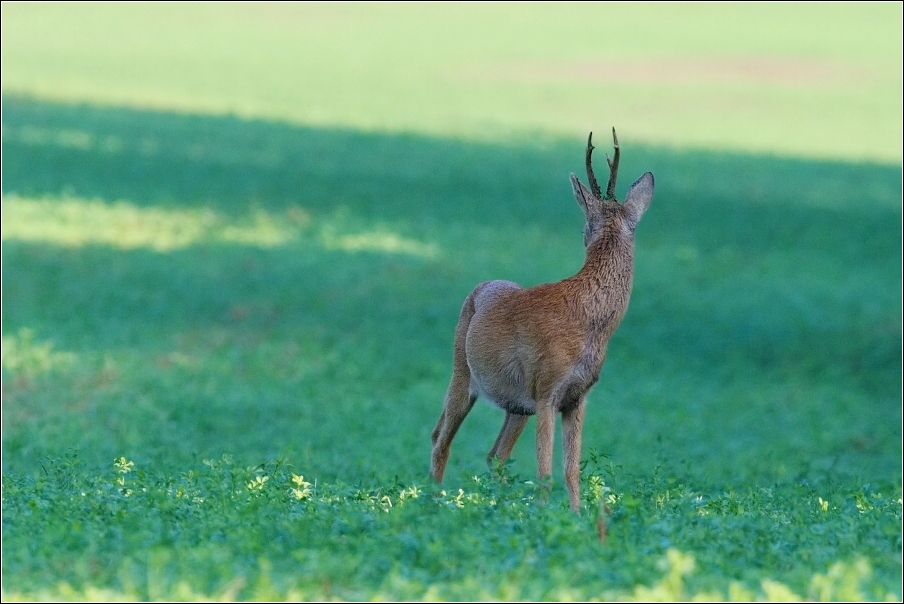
{"x":604,"y":283}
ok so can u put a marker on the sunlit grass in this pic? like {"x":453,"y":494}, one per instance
{"x":770,"y":78}
{"x":73,"y":222}
{"x":26,"y":357}
{"x":842,"y":582}
{"x":378,"y":241}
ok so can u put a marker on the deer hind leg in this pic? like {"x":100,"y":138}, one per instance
{"x":459,"y":398}
{"x":456,"y":407}
{"x":572,"y":424}
{"x":512,"y":428}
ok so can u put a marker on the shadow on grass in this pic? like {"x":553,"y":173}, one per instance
{"x":178,"y":286}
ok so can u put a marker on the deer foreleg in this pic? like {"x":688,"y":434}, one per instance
{"x":572,"y":423}
{"x":546,"y":422}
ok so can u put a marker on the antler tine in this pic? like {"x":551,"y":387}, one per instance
{"x":613,"y":167}
{"x":594,"y":186}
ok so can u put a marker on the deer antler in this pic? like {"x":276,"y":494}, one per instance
{"x":613,"y":167}
{"x":594,"y":186}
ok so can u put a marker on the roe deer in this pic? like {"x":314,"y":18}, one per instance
{"x":540,"y":350}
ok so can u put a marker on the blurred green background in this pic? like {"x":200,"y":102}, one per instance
{"x":247,"y":229}
{"x":812,"y":80}
{"x":250,"y":226}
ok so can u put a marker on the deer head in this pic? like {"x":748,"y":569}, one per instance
{"x":599,"y":210}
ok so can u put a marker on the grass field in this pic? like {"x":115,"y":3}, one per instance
{"x":236,"y":240}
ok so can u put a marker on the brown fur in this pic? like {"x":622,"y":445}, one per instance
{"x":540,"y":350}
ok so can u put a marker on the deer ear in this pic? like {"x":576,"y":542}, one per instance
{"x":582,"y":194}
{"x":638,"y":200}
